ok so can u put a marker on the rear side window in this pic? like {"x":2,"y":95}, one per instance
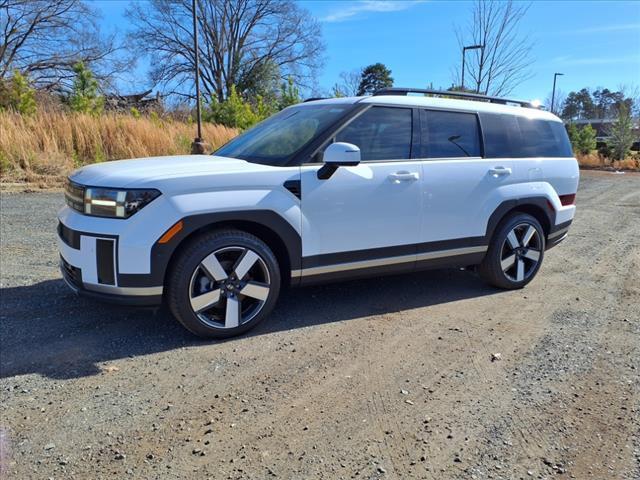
{"x":511,"y":136}
{"x":381,"y":133}
{"x":449,"y":134}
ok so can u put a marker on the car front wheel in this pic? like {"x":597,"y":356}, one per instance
{"x":223,"y":283}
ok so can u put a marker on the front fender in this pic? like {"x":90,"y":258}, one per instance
{"x":277,"y":211}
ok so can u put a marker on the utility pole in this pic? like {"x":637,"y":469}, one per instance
{"x":553,"y":92}
{"x":464,"y":51}
{"x":197,"y":147}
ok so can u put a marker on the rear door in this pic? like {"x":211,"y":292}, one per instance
{"x":457,"y":181}
{"x":363,"y":216}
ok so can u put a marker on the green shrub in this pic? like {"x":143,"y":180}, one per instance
{"x":135,"y":113}
{"x":99,"y":156}
{"x":16,"y":94}
{"x":234,"y":112}
{"x":155,"y":119}
{"x":5,"y":165}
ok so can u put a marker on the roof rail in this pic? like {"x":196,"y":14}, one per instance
{"x":313,"y":99}
{"x":463,"y":95}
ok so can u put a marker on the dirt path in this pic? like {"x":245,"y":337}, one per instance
{"x":387,"y":378}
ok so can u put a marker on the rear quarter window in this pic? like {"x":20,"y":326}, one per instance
{"x":512,"y":136}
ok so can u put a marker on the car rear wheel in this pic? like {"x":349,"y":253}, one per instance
{"x":515,"y":253}
{"x":223,"y":284}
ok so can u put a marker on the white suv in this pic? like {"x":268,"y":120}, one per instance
{"x":323,"y":191}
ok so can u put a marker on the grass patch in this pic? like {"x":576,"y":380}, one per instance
{"x":49,"y":145}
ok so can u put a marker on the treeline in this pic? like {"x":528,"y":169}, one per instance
{"x":256,"y":57}
{"x":612,"y":108}
{"x":236,"y":110}
{"x":601,"y":103}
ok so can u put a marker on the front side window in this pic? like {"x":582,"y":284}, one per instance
{"x":449,"y":134}
{"x":278,"y":139}
{"x":381,"y":133}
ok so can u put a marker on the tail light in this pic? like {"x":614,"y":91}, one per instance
{"x":568,"y":199}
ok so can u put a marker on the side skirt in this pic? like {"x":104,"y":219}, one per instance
{"x":458,"y":257}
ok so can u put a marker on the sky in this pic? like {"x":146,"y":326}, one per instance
{"x":593,"y":43}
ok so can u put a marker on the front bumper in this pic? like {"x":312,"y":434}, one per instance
{"x":109,"y":297}
{"x":88,"y":263}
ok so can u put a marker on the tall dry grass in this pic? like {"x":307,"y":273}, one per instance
{"x":46,"y":147}
{"x":595,"y":160}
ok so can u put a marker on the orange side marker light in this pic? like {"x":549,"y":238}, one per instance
{"x":171,"y":233}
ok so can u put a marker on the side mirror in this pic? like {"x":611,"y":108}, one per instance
{"x":339,"y":154}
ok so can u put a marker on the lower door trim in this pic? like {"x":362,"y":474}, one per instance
{"x":387,"y":261}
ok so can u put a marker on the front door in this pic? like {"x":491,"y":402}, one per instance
{"x":368,"y":215}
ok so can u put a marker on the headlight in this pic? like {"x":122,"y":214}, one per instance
{"x":107,"y":202}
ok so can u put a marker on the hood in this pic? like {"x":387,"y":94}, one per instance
{"x":155,"y":171}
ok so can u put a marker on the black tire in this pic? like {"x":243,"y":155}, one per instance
{"x":189,"y":280}
{"x":501,"y":250}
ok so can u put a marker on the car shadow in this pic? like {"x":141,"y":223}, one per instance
{"x":46,"y":329}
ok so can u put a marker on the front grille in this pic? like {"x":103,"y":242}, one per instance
{"x":104,"y":257}
{"x":72,"y":274}
{"x":74,"y":195}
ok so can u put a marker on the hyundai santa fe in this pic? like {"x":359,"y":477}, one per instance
{"x":325,"y":190}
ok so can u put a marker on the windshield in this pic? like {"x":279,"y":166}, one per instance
{"x":277,"y":139}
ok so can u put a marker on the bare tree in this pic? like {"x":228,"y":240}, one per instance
{"x":46,"y":38}
{"x":238,"y":40}
{"x":505,"y":59}
{"x":558,"y":101}
{"x":350,"y":82}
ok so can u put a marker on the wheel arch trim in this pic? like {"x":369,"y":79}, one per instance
{"x":162,"y":254}
{"x":539,"y":207}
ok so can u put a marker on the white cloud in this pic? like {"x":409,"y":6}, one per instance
{"x":349,"y":10}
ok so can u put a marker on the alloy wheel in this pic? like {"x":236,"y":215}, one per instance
{"x":229,"y":287}
{"x":521,"y":252}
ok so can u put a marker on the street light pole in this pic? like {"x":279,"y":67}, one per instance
{"x":553,"y":92}
{"x":197,"y":147}
{"x":464,"y":51}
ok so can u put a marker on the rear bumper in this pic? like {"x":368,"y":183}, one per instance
{"x":557,"y":234}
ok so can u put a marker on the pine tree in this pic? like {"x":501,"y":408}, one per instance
{"x":85,"y":97}
{"x":289,"y":94}
{"x":374,"y":77}
{"x":621,"y":134}
{"x":586,"y":141}
{"x":573,"y":133}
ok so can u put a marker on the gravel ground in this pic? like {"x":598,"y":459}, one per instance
{"x":431,"y":375}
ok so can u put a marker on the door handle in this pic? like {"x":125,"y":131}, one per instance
{"x":404,"y":176}
{"x":499,"y":171}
